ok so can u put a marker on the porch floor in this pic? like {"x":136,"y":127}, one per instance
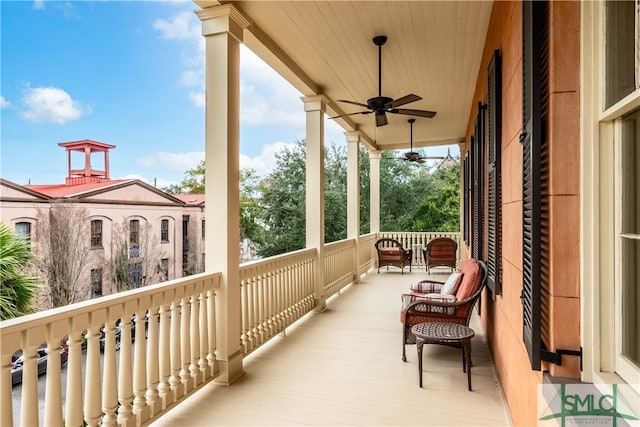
{"x":343,"y":367}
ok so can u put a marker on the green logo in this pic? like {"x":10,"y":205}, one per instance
{"x":584,"y":404}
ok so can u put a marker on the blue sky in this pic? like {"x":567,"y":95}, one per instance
{"x":130,"y":74}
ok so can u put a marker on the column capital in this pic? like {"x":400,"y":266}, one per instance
{"x":353,"y":136}
{"x":462,"y":146}
{"x":314,"y":103}
{"x":375,"y":154}
{"x":223,"y":19}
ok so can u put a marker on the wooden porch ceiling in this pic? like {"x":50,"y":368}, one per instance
{"x":343,"y":367}
{"x":433,"y":50}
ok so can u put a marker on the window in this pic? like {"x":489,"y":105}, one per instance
{"x":164,"y":230}
{"x":23,"y":229}
{"x":203,"y":228}
{"x":96,"y":282}
{"x":621,"y":51}
{"x":164,"y":269}
{"x":96,"y":233}
{"x":135,"y":274}
{"x":134,"y":231}
{"x":629,"y":240}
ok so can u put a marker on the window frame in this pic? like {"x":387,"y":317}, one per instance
{"x":134,"y":231}
{"x":164,"y":231}
{"x":96,"y":235}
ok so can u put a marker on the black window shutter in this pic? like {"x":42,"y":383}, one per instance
{"x":477,"y":154}
{"x":465,"y":196}
{"x":532,"y":135}
{"x":494,"y":220}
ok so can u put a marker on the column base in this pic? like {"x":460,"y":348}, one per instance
{"x":230,"y":369}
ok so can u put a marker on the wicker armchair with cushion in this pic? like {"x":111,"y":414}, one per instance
{"x":391,"y":252}
{"x":450,"y":302}
{"x":440,"y":252}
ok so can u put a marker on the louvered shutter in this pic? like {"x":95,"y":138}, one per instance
{"x":531,"y":138}
{"x":494,"y":222}
{"x":477,"y":154}
{"x":465,"y":196}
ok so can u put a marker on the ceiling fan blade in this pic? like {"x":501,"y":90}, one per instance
{"x":353,"y":102}
{"x":381,"y":119}
{"x":351,"y":114}
{"x":420,"y":160}
{"x":403,"y":100}
{"x":409,"y":112}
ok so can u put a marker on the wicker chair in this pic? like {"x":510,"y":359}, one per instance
{"x":391,"y":252}
{"x":440,"y":252}
{"x":422,"y":309}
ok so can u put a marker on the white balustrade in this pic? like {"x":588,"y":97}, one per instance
{"x":175,"y":335}
{"x":107,"y":386}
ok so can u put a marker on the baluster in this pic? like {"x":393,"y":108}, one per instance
{"x":203,"y":364}
{"x":185,"y":345}
{"x":6,"y":398}
{"x":53,"y":393}
{"x":29,"y":412}
{"x":73,"y":405}
{"x":255,"y":315}
{"x":110,"y":376}
{"x":125,"y":372}
{"x":152,"y":362}
{"x":211,"y":322}
{"x":244,"y":310}
{"x":92,"y":394}
{"x":165,"y":358}
{"x":174,"y":379}
{"x":140,"y":407}
{"x":194,"y":369}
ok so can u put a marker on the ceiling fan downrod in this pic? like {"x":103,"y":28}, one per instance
{"x":379,"y":41}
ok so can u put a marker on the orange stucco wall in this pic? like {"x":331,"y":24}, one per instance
{"x":502,"y":317}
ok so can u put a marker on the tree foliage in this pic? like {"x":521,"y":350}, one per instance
{"x":412,"y":198}
{"x":18,"y":288}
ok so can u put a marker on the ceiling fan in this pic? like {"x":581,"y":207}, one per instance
{"x":413,"y":156}
{"x":380,"y":105}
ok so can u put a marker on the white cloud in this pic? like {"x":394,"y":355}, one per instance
{"x":179,"y":27}
{"x":4,"y":103}
{"x":157,"y":182}
{"x":178,"y":162}
{"x":51,"y":105}
{"x":264,"y":163}
{"x":197,"y":98}
{"x":38,"y":5}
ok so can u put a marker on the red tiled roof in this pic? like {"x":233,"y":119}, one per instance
{"x":62,"y":190}
{"x":190,"y":199}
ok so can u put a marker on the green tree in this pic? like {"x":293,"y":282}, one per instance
{"x":18,"y":289}
{"x":440,"y":209}
{"x":193,"y":182}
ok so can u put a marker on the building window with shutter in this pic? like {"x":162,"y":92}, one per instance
{"x":164,"y":231}
{"x":534,"y":95}
{"x":494,"y":223}
{"x":96,"y":233}
{"x":477,"y":184}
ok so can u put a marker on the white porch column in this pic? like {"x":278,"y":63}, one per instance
{"x":374,"y":185}
{"x":223,"y":28}
{"x":353,"y":198}
{"x":314,"y":106}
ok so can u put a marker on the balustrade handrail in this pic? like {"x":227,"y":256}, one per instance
{"x":177,"y":318}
